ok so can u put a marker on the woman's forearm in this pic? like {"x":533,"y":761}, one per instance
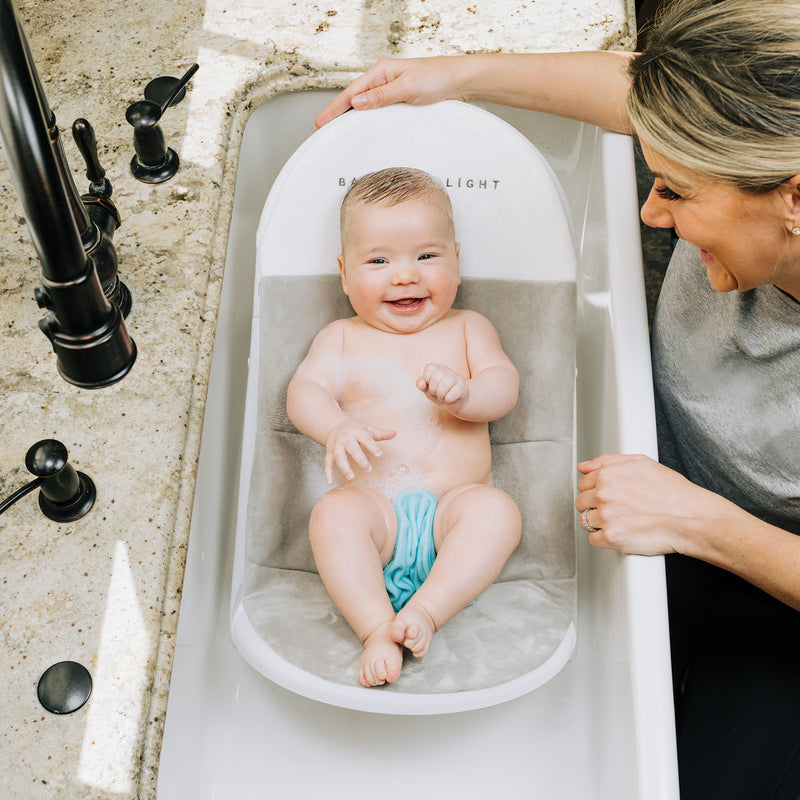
{"x":762,"y":554}
{"x":589,"y":87}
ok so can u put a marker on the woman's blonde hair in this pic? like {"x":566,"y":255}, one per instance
{"x":717,"y":89}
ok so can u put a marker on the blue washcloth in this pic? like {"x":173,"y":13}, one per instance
{"x":414,"y":550}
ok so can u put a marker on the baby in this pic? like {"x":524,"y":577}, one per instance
{"x":401,"y":396}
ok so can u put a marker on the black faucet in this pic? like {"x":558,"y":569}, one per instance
{"x":72,"y":236}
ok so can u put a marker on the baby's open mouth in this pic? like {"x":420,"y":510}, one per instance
{"x":407,"y":303}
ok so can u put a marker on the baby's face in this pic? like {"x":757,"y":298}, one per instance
{"x":399,"y":264}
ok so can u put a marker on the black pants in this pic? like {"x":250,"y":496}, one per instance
{"x":736,"y":668}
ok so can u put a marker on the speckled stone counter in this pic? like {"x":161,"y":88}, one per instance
{"x":105,"y":591}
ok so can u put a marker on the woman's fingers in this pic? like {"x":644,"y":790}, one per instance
{"x":403,"y":80}
{"x":373,"y":89}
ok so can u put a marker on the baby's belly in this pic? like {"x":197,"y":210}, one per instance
{"x":455,"y":457}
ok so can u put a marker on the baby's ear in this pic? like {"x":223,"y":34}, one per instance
{"x":340,"y":261}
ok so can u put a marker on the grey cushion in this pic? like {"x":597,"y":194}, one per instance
{"x":520,"y":622}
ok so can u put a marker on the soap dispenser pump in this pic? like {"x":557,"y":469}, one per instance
{"x":154,"y":162}
{"x":64,"y":493}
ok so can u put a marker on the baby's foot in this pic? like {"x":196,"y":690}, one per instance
{"x":382,"y":658}
{"x":413,"y":627}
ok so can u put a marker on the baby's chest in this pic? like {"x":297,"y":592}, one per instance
{"x":374,"y":380}
{"x":390,"y":355}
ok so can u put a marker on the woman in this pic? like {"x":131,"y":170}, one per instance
{"x":715,"y":102}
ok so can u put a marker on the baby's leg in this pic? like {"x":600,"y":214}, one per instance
{"x":475,"y":531}
{"x":352,"y":532}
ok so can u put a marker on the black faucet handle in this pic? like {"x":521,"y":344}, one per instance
{"x":83,"y":133}
{"x":104,"y":214}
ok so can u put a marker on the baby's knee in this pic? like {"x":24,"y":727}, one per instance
{"x":486,"y":506}
{"x":333,"y":506}
{"x":333,"y":513}
{"x":348,"y":511}
{"x":508,"y":516}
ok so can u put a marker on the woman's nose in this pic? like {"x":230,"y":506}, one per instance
{"x":655,"y":211}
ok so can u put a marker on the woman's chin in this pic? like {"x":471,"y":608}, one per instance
{"x":720,"y":279}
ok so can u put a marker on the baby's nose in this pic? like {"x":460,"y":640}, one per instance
{"x":405,"y":272}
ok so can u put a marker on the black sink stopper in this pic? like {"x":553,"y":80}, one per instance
{"x":65,"y":687}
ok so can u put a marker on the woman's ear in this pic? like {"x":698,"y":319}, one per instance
{"x":790,"y":193}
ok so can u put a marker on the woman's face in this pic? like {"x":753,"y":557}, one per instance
{"x":744,"y":239}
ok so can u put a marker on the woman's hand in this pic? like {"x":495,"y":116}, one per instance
{"x":636,"y":505}
{"x":418,"y":81}
{"x":639,"y":506}
{"x":350,"y":439}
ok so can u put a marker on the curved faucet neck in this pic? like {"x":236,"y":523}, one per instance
{"x":85,"y":328}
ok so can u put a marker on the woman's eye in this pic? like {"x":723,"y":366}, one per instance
{"x":665,"y":193}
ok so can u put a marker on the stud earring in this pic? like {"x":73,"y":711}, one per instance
{"x":796,"y":231}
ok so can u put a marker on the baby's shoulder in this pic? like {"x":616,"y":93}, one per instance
{"x":342,"y":335}
{"x":464,"y":314}
{"x":335,"y":329}
{"x":330,"y":338}
{"x":466,"y":318}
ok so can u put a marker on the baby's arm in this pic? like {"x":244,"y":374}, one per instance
{"x":312,"y":407}
{"x":493,"y":386}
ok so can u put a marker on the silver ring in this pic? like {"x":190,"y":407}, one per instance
{"x":585,"y":521}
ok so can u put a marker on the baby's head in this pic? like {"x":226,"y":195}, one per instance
{"x":399,"y":261}
{"x":391,"y":186}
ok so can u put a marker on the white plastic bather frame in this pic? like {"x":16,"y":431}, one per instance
{"x":516,"y":242}
{"x":603,"y":727}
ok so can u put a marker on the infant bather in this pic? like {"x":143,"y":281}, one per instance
{"x":602,"y":727}
{"x":518,"y":268}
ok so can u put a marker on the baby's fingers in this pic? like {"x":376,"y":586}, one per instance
{"x":355,"y":452}
{"x":339,"y":456}
{"x":330,"y":463}
{"x":455,"y":394}
{"x":436,"y":381}
{"x":381,"y":435}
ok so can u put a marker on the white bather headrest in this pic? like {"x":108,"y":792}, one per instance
{"x":505,"y":197}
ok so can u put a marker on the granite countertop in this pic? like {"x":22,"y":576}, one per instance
{"x":105,"y":590}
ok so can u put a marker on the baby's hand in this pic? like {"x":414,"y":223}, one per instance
{"x":349,"y":439}
{"x":444,"y":387}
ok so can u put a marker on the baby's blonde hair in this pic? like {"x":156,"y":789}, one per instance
{"x":395,"y":185}
{"x":717,"y":89}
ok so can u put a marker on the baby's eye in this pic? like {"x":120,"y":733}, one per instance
{"x":426,"y":256}
{"x":378,"y":261}
{"x":666,"y":193}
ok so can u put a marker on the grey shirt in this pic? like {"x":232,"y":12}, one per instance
{"x":726,"y":368}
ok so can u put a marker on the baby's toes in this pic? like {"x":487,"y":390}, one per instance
{"x":373,"y":674}
{"x":414,"y":637}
